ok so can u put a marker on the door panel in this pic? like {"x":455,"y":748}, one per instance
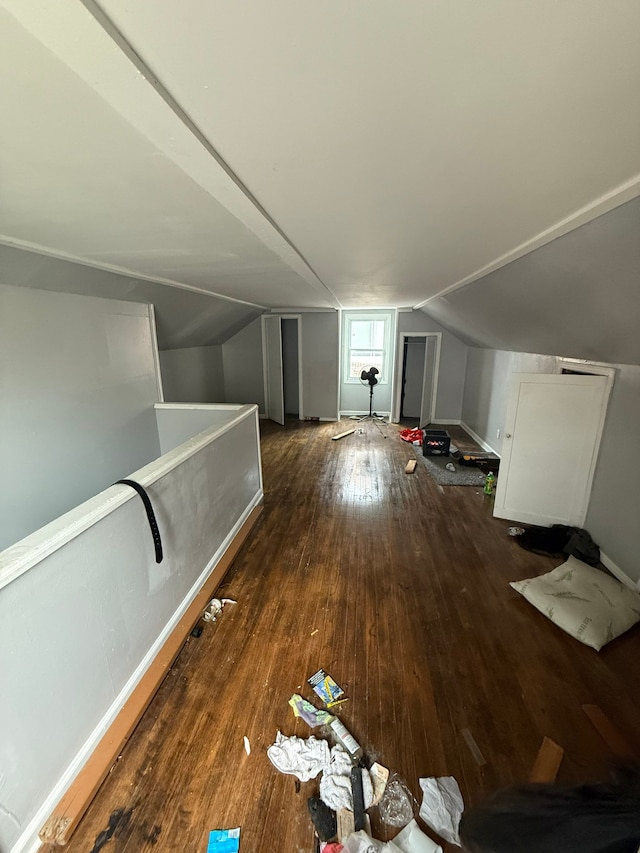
{"x":551,"y":439}
{"x":426,"y":407}
{"x":274,"y":403}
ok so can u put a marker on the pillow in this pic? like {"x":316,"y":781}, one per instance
{"x":585,"y":602}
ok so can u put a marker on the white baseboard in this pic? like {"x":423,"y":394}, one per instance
{"x":617,"y":572}
{"x":456,"y":421}
{"x":347,"y":413}
{"x":28,"y":841}
{"x":474,"y":435}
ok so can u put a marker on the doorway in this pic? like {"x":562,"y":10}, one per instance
{"x":290,"y":367}
{"x":417,"y":379}
{"x":413,"y":356}
{"x":282,"y":366}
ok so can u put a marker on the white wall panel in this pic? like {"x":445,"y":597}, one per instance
{"x":77,"y":388}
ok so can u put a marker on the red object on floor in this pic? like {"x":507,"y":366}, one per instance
{"x":411,"y":435}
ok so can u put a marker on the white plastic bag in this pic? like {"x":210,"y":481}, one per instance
{"x":442,"y":806}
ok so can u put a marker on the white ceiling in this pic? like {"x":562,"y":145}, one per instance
{"x":312,"y":155}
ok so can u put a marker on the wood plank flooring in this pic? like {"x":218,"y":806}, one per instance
{"x":400,"y":590}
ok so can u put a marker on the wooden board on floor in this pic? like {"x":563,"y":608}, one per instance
{"x":411,"y":466}
{"x":616,"y":742}
{"x":342,"y":434}
{"x":547,"y":763}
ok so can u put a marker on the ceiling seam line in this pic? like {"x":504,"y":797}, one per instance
{"x":112,"y":31}
{"x":36,"y":248}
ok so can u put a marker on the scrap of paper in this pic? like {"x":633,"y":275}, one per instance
{"x":309,"y":713}
{"x":224,"y":840}
{"x":326,"y":688}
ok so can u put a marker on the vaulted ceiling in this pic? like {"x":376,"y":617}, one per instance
{"x":335,"y":154}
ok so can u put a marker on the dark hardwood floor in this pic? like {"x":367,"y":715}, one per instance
{"x":400,"y":590}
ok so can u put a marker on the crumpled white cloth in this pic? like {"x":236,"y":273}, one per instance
{"x":304,"y":758}
{"x":442,"y":806}
{"x":335,"y":785}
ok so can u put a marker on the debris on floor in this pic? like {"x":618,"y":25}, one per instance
{"x":412,"y":839}
{"x":342,"y":434}
{"x":396,"y":805}
{"x":326,"y":688}
{"x":350,"y":785}
{"x":547,"y":762}
{"x":442,"y":806}
{"x":335,"y":784}
{"x":304,"y":758}
{"x":215,"y":607}
{"x":312,"y":716}
{"x":411,"y":466}
{"x":413,"y":436}
{"x":247,"y":745}
{"x":323,"y":818}
{"x":224,"y":840}
{"x":347,"y":740}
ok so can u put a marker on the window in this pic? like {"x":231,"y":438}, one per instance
{"x":366,"y":345}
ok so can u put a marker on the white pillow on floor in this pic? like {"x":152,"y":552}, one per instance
{"x":585,"y":602}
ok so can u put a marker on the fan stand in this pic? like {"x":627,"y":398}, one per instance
{"x":372,"y":416}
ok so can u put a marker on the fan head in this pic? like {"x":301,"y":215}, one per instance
{"x":370,"y":376}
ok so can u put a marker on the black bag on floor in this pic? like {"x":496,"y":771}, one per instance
{"x":561,"y":539}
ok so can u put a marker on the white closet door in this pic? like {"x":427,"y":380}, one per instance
{"x":273,"y":360}
{"x":551,"y":440}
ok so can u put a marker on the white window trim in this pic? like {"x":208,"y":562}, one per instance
{"x":387,"y":349}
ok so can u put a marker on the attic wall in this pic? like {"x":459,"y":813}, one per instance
{"x":77,"y":385}
{"x":578,"y":296}
{"x":184,"y":318}
{"x":320,"y":363}
{"x":193,"y":375}
{"x":613,"y":510}
{"x":453,"y":364}
{"x":612,"y":518}
{"x":242,"y":366}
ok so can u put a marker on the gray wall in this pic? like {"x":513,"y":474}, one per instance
{"x":242,"y":365}
{"x":612,"y":517}
{"x":193,"y":375}
{"x":290,"y":367}
{"x":453,"y":364}
{"x":77,"y":388}
{"x":578,"y":294}
{"x":184,"y":318}
{"x":487,"y":388}
{"x":320,"y":361}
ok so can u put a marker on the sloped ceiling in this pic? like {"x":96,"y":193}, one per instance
{"x":335,"y":154}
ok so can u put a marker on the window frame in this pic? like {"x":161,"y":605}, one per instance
{"x":385,"y":377}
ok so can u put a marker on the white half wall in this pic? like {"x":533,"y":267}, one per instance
{"x":178,"y":422}
{"x":85,"y":608}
